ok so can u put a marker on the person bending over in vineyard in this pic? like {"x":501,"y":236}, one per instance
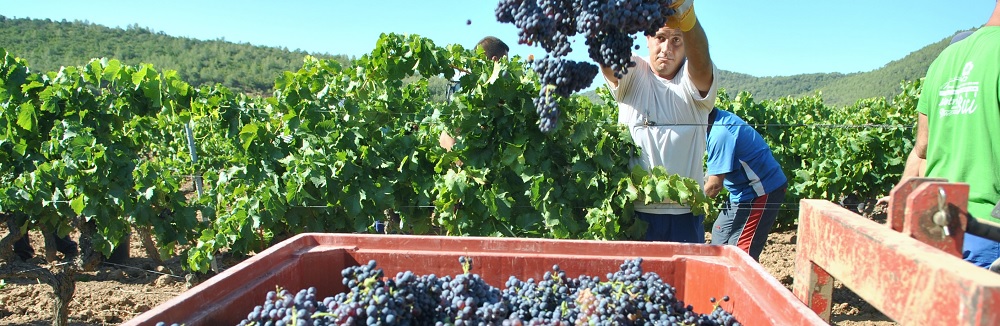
{"x":740,"y":160}
{"x":24,"y":250}
{"x":665,"y":102}
{"x":493,"y":48}
{"x":65,"y":245}
{"x":958,"y":126}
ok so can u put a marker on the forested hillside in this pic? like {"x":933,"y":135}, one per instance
{"x":248,"y":68}
{"x":838,"y":89}
{"x":48,"y":44}
{"x":835,"y":88}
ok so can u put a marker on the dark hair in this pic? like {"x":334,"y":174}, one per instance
{"x":493,"y":47}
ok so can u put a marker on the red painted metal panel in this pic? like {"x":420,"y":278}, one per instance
{"x":697,"y":271}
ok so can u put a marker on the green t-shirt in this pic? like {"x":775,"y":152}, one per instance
{"x":959,"y":98}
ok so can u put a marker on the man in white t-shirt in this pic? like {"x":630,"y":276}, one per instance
{"x":666,"y":101}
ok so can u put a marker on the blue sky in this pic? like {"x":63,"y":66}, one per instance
{"x":761,"y":38}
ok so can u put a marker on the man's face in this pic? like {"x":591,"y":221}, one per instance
{"x":666,"y":51}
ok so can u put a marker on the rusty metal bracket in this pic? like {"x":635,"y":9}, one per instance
{"x":933,"y":202}
{"x":897,"y":200}
{"x":949,"y":214}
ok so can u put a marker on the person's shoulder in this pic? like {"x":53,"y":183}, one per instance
{"x":726,"y":116}
{"x":969,"y":41}
{"x":640,"y":71}
{"x":639,"y":61}
{"x":721,"y":135}
{"x":984,"y":39}
{"x":735,"y":125}
{"x":961,"y":36}
{"x":720,"y":113}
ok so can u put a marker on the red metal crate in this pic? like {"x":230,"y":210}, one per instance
{"x":697,"y":271}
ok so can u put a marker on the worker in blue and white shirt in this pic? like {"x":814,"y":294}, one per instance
{"x":740,"y":161}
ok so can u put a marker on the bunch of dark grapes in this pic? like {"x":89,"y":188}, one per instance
{"x":547,"y":23}
{"x":548,"y":109}
{"x":559,"y":77}
{"x":608,"y":26}
{"x":281,"y":308}
{"x":612,"y":50}
{"x":544,"y":302}
{"x":627,"y":297}
{"x":567,"y":76}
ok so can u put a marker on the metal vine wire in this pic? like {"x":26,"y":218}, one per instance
{"x":142,"y":269}
{"x":754,"y":125}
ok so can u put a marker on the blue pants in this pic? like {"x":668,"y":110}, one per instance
{"x":687,"y":228}
{"x":980,"y":251}
{"x":747,"y":224}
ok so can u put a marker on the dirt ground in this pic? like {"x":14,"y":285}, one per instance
{"x":778,"y":258}
{"x":109,"y":295}
{"x":114,"y":294}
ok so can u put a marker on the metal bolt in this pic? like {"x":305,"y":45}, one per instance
{"x":941,"y":219}
{"x":941,"y":216}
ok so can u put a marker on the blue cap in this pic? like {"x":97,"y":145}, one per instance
{"x":960,"y":36}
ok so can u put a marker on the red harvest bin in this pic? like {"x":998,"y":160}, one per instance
{"x":697,"y":271}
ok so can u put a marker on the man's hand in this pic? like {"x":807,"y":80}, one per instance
{"x":713,"y":185}
{"x":446,"y":141}
{"x":683,"y":17}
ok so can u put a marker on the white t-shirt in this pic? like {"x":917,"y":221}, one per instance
{"x":454,"y":85}
{"x":677,"y":118}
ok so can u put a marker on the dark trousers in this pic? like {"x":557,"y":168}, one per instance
{"x":687,"y":228}
{"x":747,"y":224}
{"x":64,"y":245}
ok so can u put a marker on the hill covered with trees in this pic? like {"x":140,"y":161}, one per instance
{"x":48,"y":44}
{"x":836,"y":88}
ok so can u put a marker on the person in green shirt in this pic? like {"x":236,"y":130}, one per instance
{"x":958,"y":128}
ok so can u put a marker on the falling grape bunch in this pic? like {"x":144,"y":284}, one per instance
{"x":627,"y":296}
{"x":608,"y":26}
